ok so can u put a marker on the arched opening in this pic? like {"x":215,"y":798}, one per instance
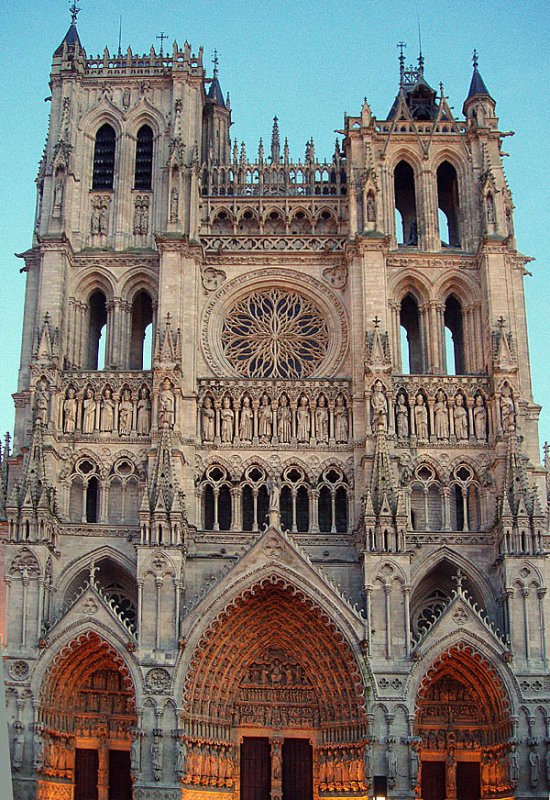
{"x":87,"y":708}
{"x":341,"y":510}
{"x":92,"y":500}
{"x":104,"y":158}
{"x":141,"y":337}
{"x":454,"y":337}
{"x":463,"y":724}
{"x":325,"y":510}
{"x":116,"y":584}
{"x":97,"y":306}
{"x":224,"y":508}
{"x":270,"y":652}
{"x":412,"y":361}
{"x":405,"y":204}
{"x":447,"y":200}
{"x":143,"y":174}
{"x":208,"y":508}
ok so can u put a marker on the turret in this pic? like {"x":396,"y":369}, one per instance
{"x":216,"y":122}
{"x":479,"y":106}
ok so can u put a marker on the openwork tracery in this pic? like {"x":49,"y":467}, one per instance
{"x":275,"y":334}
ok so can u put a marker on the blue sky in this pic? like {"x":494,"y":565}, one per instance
{"x":307,"y":62}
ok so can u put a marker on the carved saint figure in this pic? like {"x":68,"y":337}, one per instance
{"x":534,"y":767}
{"x":402,"y":417}
{"x":41,"y":403}
{"x":69,"y":411}
{"x":18,"y":748}
{"x":174,"y":203}
{"x":135,"y":754}
{"x":371,"y":208}
{"x":98,"y":221}
{"x":490,"y":208}
{"x":207,"y":420}
{"x":143,"y":413}
{"x":379,"y":408}
{"x":181,"y":756}
{"x":246,"y":421}
{"x":38,"y":756}
{"x":303,"y":420}
{"x":107,"y":412}
{"x":391,"y":764}
{"x":341,"y":421}
{"x":156,"y":758}
{"x":58,"y":192}
{"x":450,"y":774}
{"x":321,"y":420}
{"x":414,"y":766}
{"x":276,"y":761}
{"x":480,"y":419}
{"x":421,"y":418}
{"x":513,"y":767}
{"x":89,"y":405}
{"x":284,"y":422}
{"x":460,"y":418}
{"x":125,"y":413}
{"x":441,"y":417}
{"x":507,"y":411}
{"x":167,"y":405}
{"x":265,"y":420}
{"x":227,"y":417}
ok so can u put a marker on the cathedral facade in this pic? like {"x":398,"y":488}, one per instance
{"x":299,"y":550}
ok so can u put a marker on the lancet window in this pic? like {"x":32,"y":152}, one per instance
{"x":333,"y":502}
{"x":405,"y":205}
{"x":104,"y":158}
{"x":141,"y":337}
{"x":454,"y":337}
{"x":426,"y":500}
{"x":255,"y":499}
{"x":143,"y":175}
{"x":465,"y":505}
{"x":84,"y":496}
{"x":295,"y":501}
{"x":97,"y":307}
{"x":448,"y":202}
{"x":412,"y":359}
{"x":217,"y":504}
{"x":123,"y":494}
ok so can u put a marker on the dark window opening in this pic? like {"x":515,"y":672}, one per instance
{"x":410,"y":321}
{"x":286,"y":509}
{"x":263,"y":507}
{"x":341,"y":510}
{"x":144,"y":158}
{"x":142,"y":318}
{"x":98,"y":321}
{"x":447,"y":199}
{"x":92,"y":500}
{"x":453,"y":323}
{"x":208,"y":508}
{"x":325,"y":510}
{"x":104,"y":158}
{"x":405,"y":204}
{"x":248,"y":508}
{"x":302,"y":510}
{"x":224,"y":508}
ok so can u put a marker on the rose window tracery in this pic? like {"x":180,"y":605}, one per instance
{"x":275,"y":333}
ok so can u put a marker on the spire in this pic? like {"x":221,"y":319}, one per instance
{"x":71,"y":38}
{"x":215,"y":93}
{"x":478,"y":90}
{"x":414,"y":90}
{"x":275,"y":142}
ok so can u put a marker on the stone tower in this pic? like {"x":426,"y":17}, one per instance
{"x":276,"y":525}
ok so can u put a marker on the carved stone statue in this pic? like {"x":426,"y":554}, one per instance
{"x":513,"y":766}
{"x":391,"y":765}
{"x":284,"y":422}
{"x":460,"y":418}
{"x":107,"y":412}
{"x":246,"y":422}
{"x":135,"y":754}
{"x":207,"y":420}
{"x":371,"y":208}
{"x":507,"y":411}
{"x":181,"y":757}
{"x":414,"y":760}
{"x":69,"y":411}
{"x":125,"y":413}
{"x":58,"y":192}
{"x":276,"y":761}
{"x":18,"y":747}
{"x":143,"y":413}
{"x":379,"y":406}
{"x":341,"y":421}
{"x":534,"y":767}
{"x":89,"y":405}
{"x":265,"y":420}
{"x":321,"y":420}
{"x":421,"y":418}
{"x":227,"y":420}
{"x":167,"y":405}
{"x":402,"y":417}
{"x":38,"y":755}
{"x":480,"y":419}
{"x":174,"y":204}
{"x":41,"y":403}
{"x":303,"y":420}
{"x":441,"y":419}
{"x":156,"y":758}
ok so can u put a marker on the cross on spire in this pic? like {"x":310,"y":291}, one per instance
{"x":162,"y":37}
{"x":75,"y":11}
{"x":458,"y":579}
{"x":500,"y":321}
{"x":401,"y":47}
{"x":377,"y":321}
{"x":475,"y":59}
{"x":216,"y":62}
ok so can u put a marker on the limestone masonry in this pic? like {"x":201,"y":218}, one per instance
{"x":276,"y":526}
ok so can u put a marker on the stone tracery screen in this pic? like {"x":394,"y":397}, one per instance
{"x":275,"y":333}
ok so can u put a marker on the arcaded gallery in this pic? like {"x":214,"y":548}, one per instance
{"x":275,"y":517}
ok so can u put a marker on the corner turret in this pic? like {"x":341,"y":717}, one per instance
{"x":479,"y":106}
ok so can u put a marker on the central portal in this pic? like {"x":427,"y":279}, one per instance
{"x":266,"y":765}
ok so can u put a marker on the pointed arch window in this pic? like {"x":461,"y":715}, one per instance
{"x":143,"y":176}
{"x":412,"y":361}
{"x":97,"y":306}
{"x":406,"y":224}
{"x":454,"y":337}
{"x":142,"y":321}
{"x":104,"y":158}
{"x":448,"y":203}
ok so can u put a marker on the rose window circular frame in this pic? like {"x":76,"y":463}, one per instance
{"x":275,"y":324}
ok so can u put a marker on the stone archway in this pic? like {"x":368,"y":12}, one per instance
{"x":273,"y":667}
{"x":463,"y":730}
{"x":86,"y":715}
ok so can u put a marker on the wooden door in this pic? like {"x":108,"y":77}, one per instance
{"x":433,"y":780}
{"x":120,"y":784}
{"x":255,"y":768}
{"x":468,"y":782}
{"x":297,"y":770}
{"x":85,"y":774}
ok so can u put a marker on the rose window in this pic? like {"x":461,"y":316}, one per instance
{"x":275,"y":334}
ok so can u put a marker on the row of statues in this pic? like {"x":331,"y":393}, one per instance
{"x":104,"y":414}
{"x":247,"y":422}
